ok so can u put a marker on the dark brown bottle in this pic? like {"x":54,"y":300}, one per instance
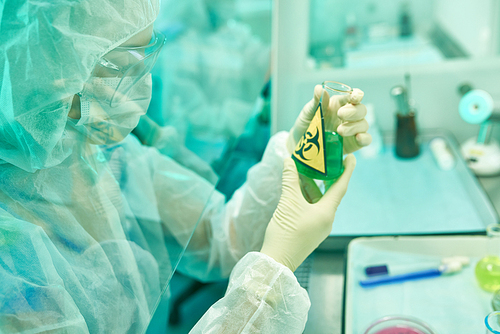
{"x":406,"y":136}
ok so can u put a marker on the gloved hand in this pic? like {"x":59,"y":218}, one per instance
{"x":298,"y":227}
{"x":345,"y":112}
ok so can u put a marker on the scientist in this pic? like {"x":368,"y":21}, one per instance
{"x":93,"y":223}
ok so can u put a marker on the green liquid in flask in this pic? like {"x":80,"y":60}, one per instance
{"x":488,"y":273}
{"x":334,"y":149}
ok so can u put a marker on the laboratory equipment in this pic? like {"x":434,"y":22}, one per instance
{"x":399,"y":325}
{"x":319,"y":153}
{"x":377,"y":144}
{"x":406,"y":128}
{"x":442,"y":154}
{"x":492,"y":322}
{"x":488,"y":273}
{"x":376,"y":270}
{"x":488,"y":268}
{"x":447,"y":267}
{"x":405,"y":24}
{"x":352,"y":35}
{"x":482,"y":153}
{"x":495,"y":301}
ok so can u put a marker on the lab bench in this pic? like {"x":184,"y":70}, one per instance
{"x":473,"y":204}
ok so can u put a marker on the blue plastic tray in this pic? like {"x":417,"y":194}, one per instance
{"x":392,"y":196}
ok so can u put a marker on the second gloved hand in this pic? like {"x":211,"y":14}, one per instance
{"x":345,"y":112}
{"x":298,"y":227}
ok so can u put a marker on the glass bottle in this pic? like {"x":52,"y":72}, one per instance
{"x":488,"y":268}
{"x":495,"y":301}
{"x":492,"y":322}
{"x":319,"y":153}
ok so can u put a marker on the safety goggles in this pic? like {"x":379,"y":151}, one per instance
{"x":130,"y":65}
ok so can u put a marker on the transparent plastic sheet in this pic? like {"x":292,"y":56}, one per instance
{"x":103,"y":231}
{"x":92,"y":223}
{"x":96,"y":239}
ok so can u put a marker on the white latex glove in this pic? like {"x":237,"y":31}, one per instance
{"x":345,"y":111}
{"x":298,"y":227}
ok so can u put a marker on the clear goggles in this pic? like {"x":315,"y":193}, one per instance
{"x":129,"y":65}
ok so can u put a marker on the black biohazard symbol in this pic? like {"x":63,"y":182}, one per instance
{"x":310,"y":150}
{"x":306,"y":144}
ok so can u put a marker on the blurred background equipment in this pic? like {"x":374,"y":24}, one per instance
{"x":482,"y":153}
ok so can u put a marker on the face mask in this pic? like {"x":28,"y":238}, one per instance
{"x":103,"y":124}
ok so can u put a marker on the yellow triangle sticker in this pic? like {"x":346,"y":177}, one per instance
{"x":310,"y":149}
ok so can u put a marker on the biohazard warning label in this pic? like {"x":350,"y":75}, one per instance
{"x":310,"y":149}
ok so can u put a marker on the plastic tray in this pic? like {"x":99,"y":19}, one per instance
{"x":450,"y":304}
{"x":392,"y":196}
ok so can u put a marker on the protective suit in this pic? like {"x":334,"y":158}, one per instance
{"x":90,"y":235}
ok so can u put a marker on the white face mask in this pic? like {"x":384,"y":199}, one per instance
{"x":102,"y":124}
